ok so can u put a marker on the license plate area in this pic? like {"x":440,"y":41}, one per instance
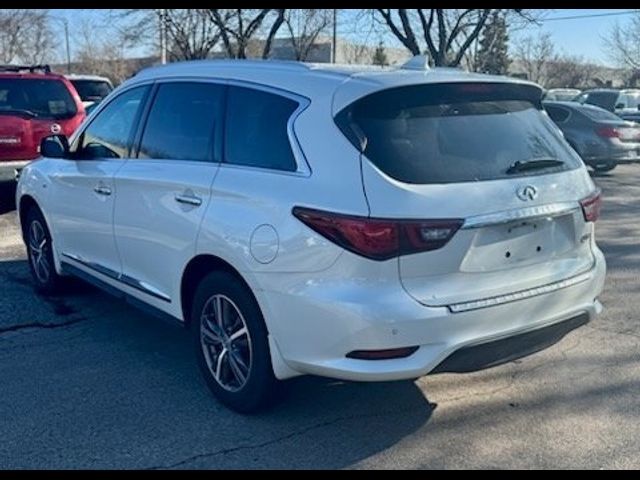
{"x":520,"y":243}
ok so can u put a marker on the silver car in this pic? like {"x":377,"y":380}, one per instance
{"x":602,"y":139}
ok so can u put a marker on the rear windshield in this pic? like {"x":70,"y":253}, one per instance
{"x":37,"y":98}
{"x":606,"y":100}
{"x":450,"y":133}
{"x":600,"y":115}
{"x":92,"y":90}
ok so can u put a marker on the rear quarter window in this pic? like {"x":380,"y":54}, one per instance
{"x":557,"y":114}
{"x":257,"y":130}
{"x":451,"y":133}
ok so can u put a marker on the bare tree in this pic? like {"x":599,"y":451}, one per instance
{"x":533,"y":56}
{"x":192,"y":35}
{"x":538,"y":59}
{"x":570,"y":72}
{"x":355,"y":53}
{"x":623,"y":43}
{"x":103,"y":54}
{"x":304,"y":26}
{"x":239,"y":27}
{"x":25,"y":36}
{"x":446,"y":34}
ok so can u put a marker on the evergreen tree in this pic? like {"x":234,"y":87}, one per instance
{"x":493,"y":54}
{"x":380,"y":56}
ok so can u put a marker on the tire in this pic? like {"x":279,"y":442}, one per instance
{"x":238,"y":371}
{"x":40,"y":254}
{"x":604,"y":167}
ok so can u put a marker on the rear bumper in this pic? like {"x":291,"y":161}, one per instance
{"x":314,"y":335}
{"x":9,"y":170}
{"x":607,"y":154}
{"x":497,"y":352}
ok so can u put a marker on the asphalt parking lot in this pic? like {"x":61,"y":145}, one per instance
{"x":89,"y":382}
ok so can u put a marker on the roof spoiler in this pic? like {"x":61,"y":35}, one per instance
{"x":46,"y":69}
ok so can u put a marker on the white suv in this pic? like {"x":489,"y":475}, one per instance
{"x":359,"y":224}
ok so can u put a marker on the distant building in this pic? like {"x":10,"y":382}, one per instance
{"x":346,"y":52}
{"x":592,"y":76}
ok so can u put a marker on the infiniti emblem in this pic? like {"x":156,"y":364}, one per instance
{"x":528,"y":193}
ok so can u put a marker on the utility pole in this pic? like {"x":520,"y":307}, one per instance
{"x":66,"y":39}
{"x":65,"y":24}
{"x":163,"y":36}
{"x":334,"y":42}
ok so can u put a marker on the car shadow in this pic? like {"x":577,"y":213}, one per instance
{"x":146,"y":391}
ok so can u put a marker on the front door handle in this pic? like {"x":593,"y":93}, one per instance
{"x":102,"y":190}
{"x":190,"y":200}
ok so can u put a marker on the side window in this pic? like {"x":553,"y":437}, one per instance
{"x":109,"y":135}
{"x":183,"y":121}
{"x":256,"y":130}
{"x":557,"y":114}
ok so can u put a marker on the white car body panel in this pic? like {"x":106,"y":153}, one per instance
{"x":319,"y":301}
{"x":81,"y":218}
{"x":154,"y":232}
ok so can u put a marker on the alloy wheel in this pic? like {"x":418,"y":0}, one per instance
{"x":226,"y":343}
{"x":39,"y":249}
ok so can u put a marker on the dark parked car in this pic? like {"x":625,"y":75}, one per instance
{"x":602,"y":139}
{"x":624,"y":103}
{"x":561,"y":94}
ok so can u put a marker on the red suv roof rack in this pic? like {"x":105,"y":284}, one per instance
{"x":46,"y":69}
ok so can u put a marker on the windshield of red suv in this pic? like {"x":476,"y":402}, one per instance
{"x":45,"y":98}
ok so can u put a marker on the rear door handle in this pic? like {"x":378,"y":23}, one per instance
{"x":102,"y":190}
{"x":191,"y":200}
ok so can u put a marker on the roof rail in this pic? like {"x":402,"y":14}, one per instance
{"x":46,"y":69}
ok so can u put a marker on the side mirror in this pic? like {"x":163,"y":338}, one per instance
{"x":55,"y":146}
{"x":620,"y":106}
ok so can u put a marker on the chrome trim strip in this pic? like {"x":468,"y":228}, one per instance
{"x":94,"y":266}
{"x":530,"y":213}
{"x":126,"y":280}
{"x":144,"y":287}
{"x":521,"y":295}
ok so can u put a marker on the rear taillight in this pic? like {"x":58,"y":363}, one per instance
{"x":608,"y":132}
{"x":379,"y":239}
{"x":591,"y":206}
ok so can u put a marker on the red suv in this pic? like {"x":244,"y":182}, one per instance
{"x":34,"y":103}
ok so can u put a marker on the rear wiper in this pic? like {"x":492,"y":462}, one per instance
{"x":19,"y":112}
{"x":537,"y":164}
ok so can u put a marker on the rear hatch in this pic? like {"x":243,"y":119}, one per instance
{"x":485,"y":157}
{"x":30,"y":109}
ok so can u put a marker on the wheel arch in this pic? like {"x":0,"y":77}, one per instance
{"x":197,"y":268}
{"x":27,"y":202}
